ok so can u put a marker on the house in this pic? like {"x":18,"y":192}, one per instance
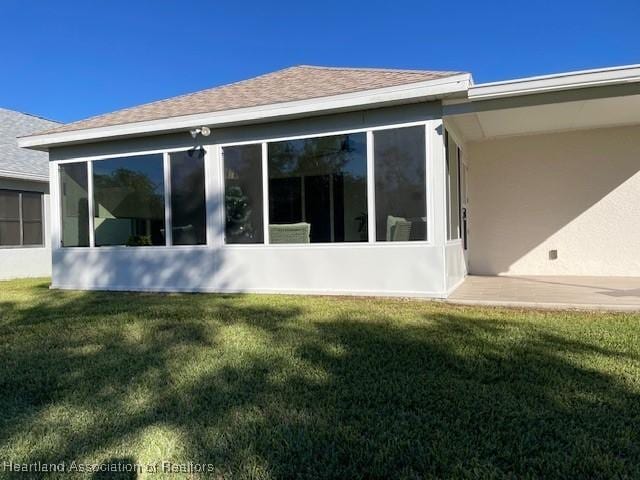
{"x":25,"y":247}
{"x":351,"y":181}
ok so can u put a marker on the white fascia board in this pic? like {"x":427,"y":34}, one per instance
{"x":556,"y":82}
{"x":24,"y":176}
{"x":456,"y":84}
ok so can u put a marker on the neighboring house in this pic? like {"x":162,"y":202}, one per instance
{"x":25,"y":247}
{"x":354,"y":181}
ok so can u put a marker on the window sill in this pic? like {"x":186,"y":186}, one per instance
{"x":240,"y":246}
{"x":125,"y":247}
{"x":328,"y":245}
{"x":20,"y":247}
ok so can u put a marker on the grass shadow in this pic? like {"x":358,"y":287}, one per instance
{"x":271,"y":387}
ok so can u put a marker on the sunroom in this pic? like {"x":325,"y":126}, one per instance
{"x":347,"y":195}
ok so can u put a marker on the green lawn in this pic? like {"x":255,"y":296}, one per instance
{"x":284,"y":386}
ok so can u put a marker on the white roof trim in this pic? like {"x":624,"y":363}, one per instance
{"x":24,"y":176}
{"x":556,"y":82}
{"x":369,"y":98}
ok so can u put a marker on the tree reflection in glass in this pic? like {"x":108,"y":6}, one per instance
{"x":129,"y":201}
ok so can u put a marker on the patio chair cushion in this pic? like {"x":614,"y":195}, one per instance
{"x":398,"y":229}
{"x":290,"y":233}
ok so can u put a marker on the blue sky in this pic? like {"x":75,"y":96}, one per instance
{"x":68,"y":60}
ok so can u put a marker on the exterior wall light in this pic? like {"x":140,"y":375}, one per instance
{"x":204,"y":131}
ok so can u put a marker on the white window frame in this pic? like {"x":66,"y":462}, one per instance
{"x":368,"y":131}
{"x":429,"y":198}
{"x":208,"y":154}
{"x":222,"y":218}
{"x":168,"y":214}
{"x":214,"y":191}
{"x":165,"y":152}
{"x":57,"y":208}
{"x":21,"y":220}
{"x":266,"y":240}
{"x":447,"y":209}
{"x":90,"y":206}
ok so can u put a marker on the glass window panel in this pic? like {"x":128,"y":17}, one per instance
{"x":9,"y":218}
{"x":31,"y":218}
{"x":32,"y":233}
{"x":318,"y":190}
{"x":188,"y":205}
{"x":129,"y":201}
{"x":400,"y":184}
{"x":9,"y":205}
{"x":243,"y":194}
{"x":32,"y":206}
{"x":9,"y":233}
{"x":453,"y":190}
{"x":75,"y":204}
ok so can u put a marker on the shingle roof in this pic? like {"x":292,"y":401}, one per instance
{"x":16,"y":161}
{"x":291,"y":84}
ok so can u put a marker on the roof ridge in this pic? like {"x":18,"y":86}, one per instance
{"x":379,"y":69}
{"x":39,"y":117}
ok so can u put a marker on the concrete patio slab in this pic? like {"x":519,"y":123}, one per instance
{"x":566,"y":292}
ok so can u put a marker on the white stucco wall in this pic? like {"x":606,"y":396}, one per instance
{"x":331,"y":269}
{"x":456,"y":268}
{"x":575,"y":192}
{"x":30,"y":261}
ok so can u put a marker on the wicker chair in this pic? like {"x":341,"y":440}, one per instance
{"x":290,"y":233}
